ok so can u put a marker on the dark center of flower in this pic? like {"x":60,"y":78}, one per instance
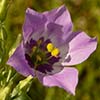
{"x":43,"y":54}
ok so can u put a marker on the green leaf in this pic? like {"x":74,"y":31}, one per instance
{"x":15,"y":45}
{"x":23,"y":96}
{"x":23,"y":86}
{"x":3,"y":33}
{"x":3,"y":9}
{"x":5,"y":92}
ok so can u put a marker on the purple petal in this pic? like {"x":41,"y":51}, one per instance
{"x":19,"y":63}
{"x":55,"y":34}
{"x":80,"y":48}
{"x":62,"y":17}
{"x":40,"y":76}
{"x":66,"y":79}
{"x":34,"y":21}
{"x":59,"y":15}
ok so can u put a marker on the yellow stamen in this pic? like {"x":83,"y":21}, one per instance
{"x":50,"y":47}
{"x":55,"y":52}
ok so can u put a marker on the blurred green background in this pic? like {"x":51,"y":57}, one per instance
{"x":85,"y":16}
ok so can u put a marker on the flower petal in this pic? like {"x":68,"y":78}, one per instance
{"x":58,"y":16}
{"x":62,"y":17}
{"x":80,"y":48}
{"x":55,"y":34}
{"x":19,"y":63}
{"x":66,"y":79}
{"x":34,"y":21}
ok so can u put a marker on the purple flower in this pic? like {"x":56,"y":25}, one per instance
{"x":49,"y":46}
